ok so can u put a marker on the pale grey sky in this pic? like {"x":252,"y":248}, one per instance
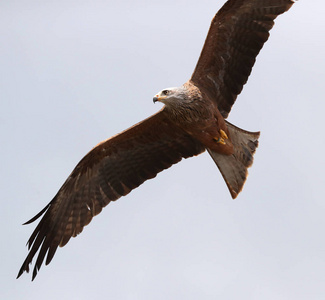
{"x":77,"y":72}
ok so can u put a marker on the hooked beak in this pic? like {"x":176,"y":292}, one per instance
{"x":158,"y":98}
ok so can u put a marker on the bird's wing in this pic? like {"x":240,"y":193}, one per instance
{"x":111,"y":170}
{"x":236,"y":35}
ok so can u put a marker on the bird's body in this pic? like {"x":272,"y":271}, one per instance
{"x":192,"y":121}
{"x":192,"y":110}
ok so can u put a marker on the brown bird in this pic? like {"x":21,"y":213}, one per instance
{"x":191,"y":121}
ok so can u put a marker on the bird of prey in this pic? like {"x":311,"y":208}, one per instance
{"x":191,"y":121}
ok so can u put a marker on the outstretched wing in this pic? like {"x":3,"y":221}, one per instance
{"x":236,"y":35}
{"x":111,"y":170}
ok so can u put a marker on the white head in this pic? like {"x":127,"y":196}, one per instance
{"x":170,"y":95}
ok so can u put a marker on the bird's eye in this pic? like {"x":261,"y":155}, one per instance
{"x":165,"y":92}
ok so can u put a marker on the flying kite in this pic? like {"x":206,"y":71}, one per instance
{"x":191,"y":121}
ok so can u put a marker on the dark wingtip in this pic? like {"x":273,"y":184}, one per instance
{"x":25,"y":268}
{"x":38,"y":215}
{"x":25,"y":265}
{"x":34,"y":273}
{"x":22,"y":270}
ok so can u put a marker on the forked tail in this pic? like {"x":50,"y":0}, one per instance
{"x":234,"y":167}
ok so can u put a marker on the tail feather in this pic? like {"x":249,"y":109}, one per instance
{"x":234,"y":167}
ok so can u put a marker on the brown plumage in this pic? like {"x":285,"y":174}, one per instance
{"x":192,"y":120}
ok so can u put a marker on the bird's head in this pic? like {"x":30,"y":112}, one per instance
{"x":170,"y":96}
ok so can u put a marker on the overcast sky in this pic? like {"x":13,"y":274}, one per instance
{"x":76,"y":72}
